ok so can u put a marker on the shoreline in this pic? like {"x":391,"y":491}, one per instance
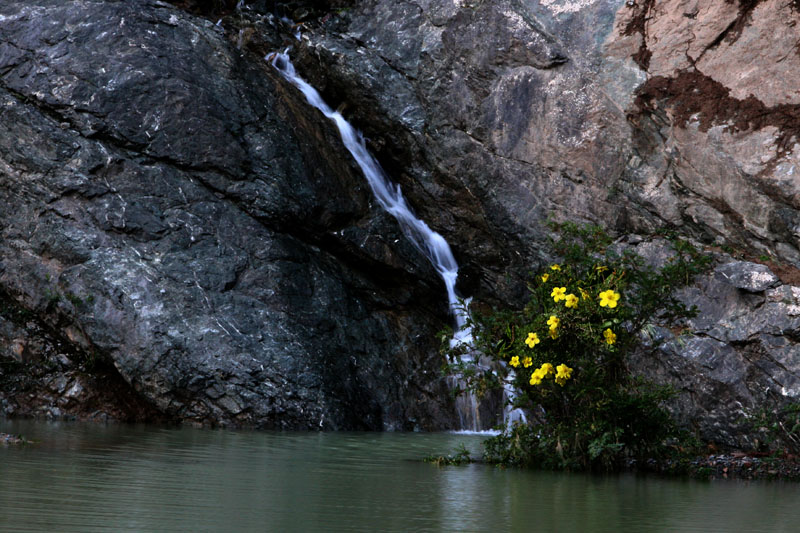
{"x":726,"y":466}
{"x":718,"y":466}
{"x":6,"y":438}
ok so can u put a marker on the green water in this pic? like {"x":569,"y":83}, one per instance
{"x":87,"y":478}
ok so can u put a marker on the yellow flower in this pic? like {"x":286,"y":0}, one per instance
{"x":536,"y":377}
{"x":558,"y":293}
{"x":563,"y":373}
{"x":553,"y":334}
{"x":609,"y":299}
{"x":547,"y":369}
{"x":514,"y":361}
{"x":555,"y":267}
{"x":532,"y":340}
{"x":600,"y":268}
{"x":611,"y":338}
{"x":584,"y":294}
{"x":544,"y":277}
{"x":526,"y":362}
{"x":553,"y":322}
{"x":571,"y":300}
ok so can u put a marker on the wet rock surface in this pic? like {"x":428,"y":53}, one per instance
{"x":172,"y":211}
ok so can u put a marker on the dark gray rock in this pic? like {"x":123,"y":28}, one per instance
{"x":751,"y":277}
{"x":42,"y":374}
{"x":169,"y":207}
{"x":739,"y":355}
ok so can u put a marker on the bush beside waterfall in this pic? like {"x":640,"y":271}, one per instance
{"x":565,"y":352}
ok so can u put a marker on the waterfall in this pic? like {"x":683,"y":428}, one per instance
{"x":431,"y":244}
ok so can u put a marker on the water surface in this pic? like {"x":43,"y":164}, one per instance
{"x":87,"y":478}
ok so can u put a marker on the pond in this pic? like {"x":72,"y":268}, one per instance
{"x":87,"y":478}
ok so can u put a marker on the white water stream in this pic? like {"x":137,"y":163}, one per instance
{"x":432,"y":245}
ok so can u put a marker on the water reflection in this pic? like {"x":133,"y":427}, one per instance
{"x":129,"y":478}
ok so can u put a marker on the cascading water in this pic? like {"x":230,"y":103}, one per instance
{"x":432,"y":245}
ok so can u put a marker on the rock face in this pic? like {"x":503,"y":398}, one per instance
{"x":739,"y":355}
{"x":171,"y":213}
{"x":639,"y":115}
{"x":172,"y":210}
{"x":636,"y":115}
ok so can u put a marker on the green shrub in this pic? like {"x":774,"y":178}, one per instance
{"x":460,"y":457}
{"x":567,"y":348}
{"x":780,"y":428}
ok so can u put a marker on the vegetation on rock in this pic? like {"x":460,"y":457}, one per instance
{"x":780,"y":428}
{"x":565,"y":353}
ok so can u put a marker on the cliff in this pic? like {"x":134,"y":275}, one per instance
{"x":175,"y":214}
